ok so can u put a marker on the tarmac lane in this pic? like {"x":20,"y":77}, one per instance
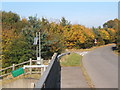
{"x":102,"y":66}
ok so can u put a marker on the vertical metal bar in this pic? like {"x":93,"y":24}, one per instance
{"x":39,"y":46}
{"x":36,"y":47}
{"x":36,"y":51}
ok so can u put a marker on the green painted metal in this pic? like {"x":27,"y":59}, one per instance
{"x":17,"y":72}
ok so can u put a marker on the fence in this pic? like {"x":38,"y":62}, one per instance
{"x":30,"y":62}
{"x":52,"y":76}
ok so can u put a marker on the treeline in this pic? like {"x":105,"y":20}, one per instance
{"x":18,"y":36}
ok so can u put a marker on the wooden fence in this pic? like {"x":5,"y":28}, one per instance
{"x":13,"y":67}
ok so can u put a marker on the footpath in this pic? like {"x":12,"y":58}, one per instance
{"x":72,"y":77}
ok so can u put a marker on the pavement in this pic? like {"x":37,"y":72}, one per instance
{"x":102,"y":66}
{"x":72,"y":77}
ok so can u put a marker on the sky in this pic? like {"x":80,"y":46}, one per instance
{"x":85,"y":13}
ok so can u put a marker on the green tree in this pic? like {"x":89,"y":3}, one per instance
{"x":112,"y":24}
{"x":64,"y":22}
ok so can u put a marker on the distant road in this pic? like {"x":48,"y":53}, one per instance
{"x":102,"y":67}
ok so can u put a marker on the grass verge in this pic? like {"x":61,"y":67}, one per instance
{"x":71,"y":60}
{"x":116,"y":52}
{"x":76,"y":60}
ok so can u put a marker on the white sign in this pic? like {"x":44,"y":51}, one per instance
{"x":95,"y":41}
{"x":35,"y":41}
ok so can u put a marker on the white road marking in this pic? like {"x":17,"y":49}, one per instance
{"x":83,"y":53}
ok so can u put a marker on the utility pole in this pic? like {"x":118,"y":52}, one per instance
{"x":38,"y":47}
{"x":39,"y":50}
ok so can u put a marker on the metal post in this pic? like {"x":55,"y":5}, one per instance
{"x":30,"y":65}
{"x":39,"y":46}
{"x":36,"y":51}
{"x":39,"y":51}
{"x":36,"y":47}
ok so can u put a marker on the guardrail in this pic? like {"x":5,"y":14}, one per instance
{"x":52,"y":76}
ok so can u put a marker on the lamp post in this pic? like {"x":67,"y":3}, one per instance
{"x":38,"y":47}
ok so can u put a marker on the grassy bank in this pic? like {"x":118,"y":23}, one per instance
{"x":76,"y":60}
{"x":88,"y":49}
{"x":71,"y":60}
{"x":116,"y":52}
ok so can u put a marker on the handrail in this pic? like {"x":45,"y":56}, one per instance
{"x":63,"y":54}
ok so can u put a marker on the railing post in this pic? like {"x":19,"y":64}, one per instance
{"x":13,"y":67}
{"x":30,"y":65}
{"x":42,"y":71}
{"x":49,"y":61}
{"x":41,"y":61}
{"x":44,"y":68}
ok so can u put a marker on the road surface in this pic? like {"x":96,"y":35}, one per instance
{"x":102,"y":67}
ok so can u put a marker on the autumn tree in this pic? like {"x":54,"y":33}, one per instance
{"x":18,"y":36}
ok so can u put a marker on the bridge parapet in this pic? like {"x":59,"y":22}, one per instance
{"x":52,"y":76}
